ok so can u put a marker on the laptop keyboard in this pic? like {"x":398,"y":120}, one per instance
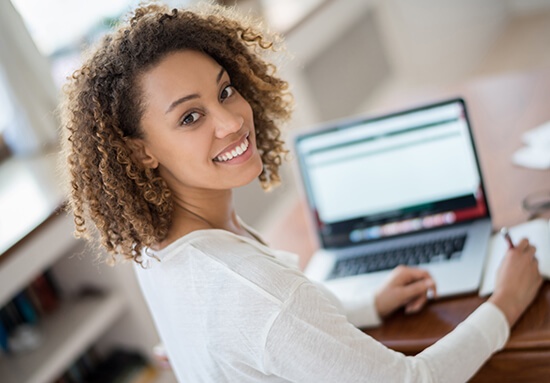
{"x":425,"y":252}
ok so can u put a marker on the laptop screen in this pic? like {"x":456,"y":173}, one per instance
{"x":374,"y":178}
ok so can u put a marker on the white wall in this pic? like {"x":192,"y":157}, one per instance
{"x":520,"y":7}
{"x":431,"y":40}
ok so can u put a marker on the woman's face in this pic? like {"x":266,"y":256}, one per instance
{"x":198,"y":129}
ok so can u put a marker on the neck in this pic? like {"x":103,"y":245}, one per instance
{"x":213,"y":207}
{"x":207,"y":209}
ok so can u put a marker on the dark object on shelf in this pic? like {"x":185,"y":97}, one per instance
{"x":120,"y":366}
{"x":46,"y":293}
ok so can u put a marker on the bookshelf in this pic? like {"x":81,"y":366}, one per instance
{"x":65,"y":334}
{"x":36,"y":253}
{"x":110,"y":315}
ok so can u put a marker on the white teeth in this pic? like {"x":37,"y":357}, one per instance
{"x":237,"y":151}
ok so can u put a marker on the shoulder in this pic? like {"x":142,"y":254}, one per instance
{"x":228,"y":248}
{"x":240,"y":254}
{"x":215,"y":259}
{"x":181,"y":230}
{"x":244,"y":261}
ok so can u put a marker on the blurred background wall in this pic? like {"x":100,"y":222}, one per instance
{"x":348,"y":56}
{"x":354,"y":57}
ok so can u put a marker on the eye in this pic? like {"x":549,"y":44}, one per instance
{"x":227,"y":92}
{"x":190,"y":118}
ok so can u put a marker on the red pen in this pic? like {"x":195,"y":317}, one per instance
{"x":506,"y":235}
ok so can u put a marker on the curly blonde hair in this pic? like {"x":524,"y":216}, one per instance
{"x":129,"y":205}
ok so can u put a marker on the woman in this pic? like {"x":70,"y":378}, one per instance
{"x":170,"y":113}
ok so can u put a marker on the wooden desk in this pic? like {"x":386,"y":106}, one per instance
{"x":501,"y":108}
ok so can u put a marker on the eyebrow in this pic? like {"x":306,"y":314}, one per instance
{"x":192,"y":96}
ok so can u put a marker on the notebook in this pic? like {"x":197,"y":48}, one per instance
{"x":402,"y":188}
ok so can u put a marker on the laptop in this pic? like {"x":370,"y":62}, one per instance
{"x":402,"y":188}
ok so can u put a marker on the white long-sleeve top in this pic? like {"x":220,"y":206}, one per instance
{"x":229,"y":309}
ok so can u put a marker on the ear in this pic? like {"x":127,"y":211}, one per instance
{"x":141,"y":153}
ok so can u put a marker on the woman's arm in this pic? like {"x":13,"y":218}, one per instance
{"x":311,"y":341}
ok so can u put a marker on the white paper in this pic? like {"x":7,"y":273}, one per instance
{"x":536,"y":153}
{"x":539,"y":136}
{"x":533,"y":157}
{"x":538,"y":233}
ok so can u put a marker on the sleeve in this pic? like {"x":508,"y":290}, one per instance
{"x":310,"y":341}
{"x":361,"y":311}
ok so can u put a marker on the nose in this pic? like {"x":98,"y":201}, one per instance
{"x":227,"y":121}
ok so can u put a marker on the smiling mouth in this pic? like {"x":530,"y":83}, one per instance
{"x":233,"y":153}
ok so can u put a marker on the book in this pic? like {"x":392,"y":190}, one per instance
{"x":25,"y":307}
{"x":35,"y":301}
{"x":10,"y":316}
{"x":538,"y":233}
{"x":43,"y":289}
{"x":4,"y":345}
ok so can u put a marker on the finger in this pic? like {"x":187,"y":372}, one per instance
{"x":416,"y":289}
{"x":416,"y":304}
{"x":523,"y":245}
{"x":432,"y":290}
{"x":405,"y":274}
{"x":529,"y":251}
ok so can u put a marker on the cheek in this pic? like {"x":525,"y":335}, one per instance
{"x":250,"y":112}
{"x":183,"y":152}
{"x":245,"y":109}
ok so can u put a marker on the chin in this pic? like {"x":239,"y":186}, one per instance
{"x":253,"y":174}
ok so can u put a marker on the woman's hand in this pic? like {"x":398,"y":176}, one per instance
{"x":518,"y":281}
{"x":407,"y":287}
